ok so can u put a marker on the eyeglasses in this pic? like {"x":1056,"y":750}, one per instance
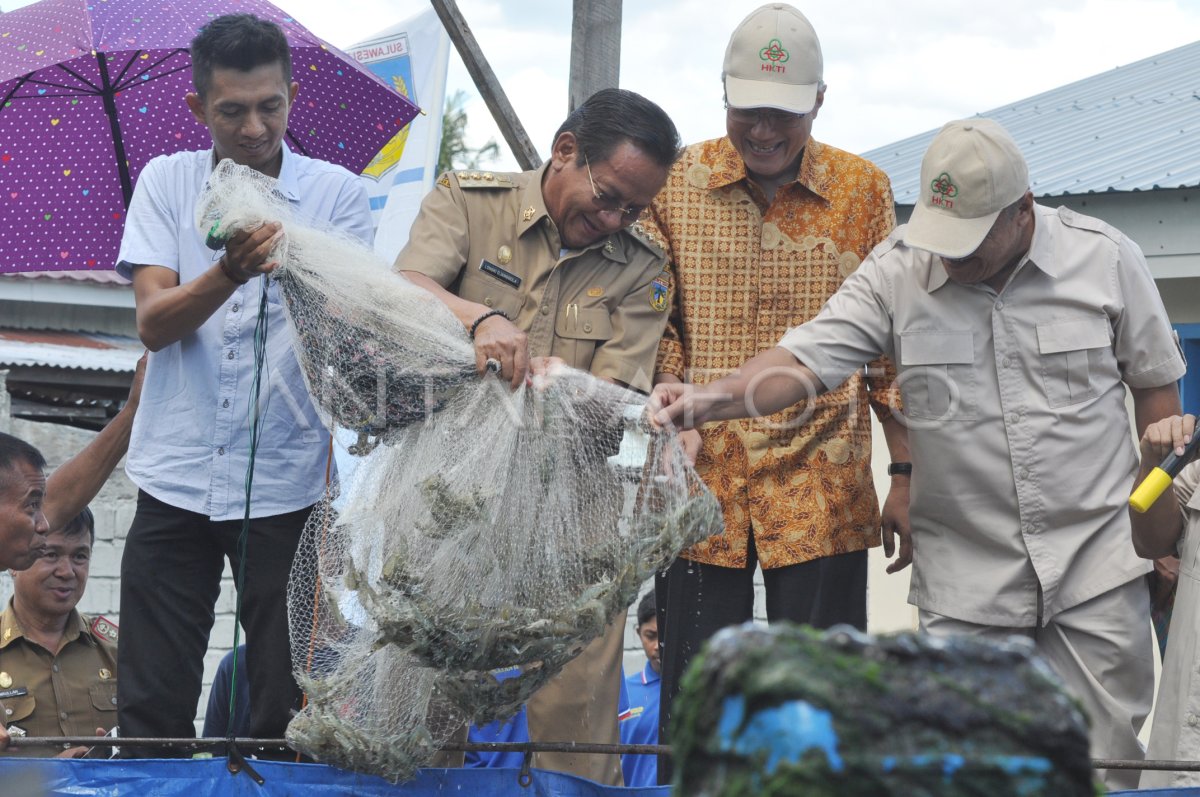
{"x":607,"y":203}
{"x":776,"y":119}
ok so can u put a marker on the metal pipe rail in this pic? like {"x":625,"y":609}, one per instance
{"x":490,"y":747}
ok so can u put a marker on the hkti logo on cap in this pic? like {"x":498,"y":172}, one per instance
{"x":774,"y":53}
{"x":944,"y":190}
{"x":773,"y":61}
{"x":952,"y":216}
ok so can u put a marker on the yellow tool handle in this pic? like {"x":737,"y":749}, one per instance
{"x":1153,"y":486}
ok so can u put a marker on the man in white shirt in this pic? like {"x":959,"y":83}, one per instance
{"x":197,"y":311}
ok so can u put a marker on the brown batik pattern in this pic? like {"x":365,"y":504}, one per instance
{"x":745,"y":272}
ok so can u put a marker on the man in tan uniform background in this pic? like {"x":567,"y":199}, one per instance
{"x":58,"y":668}
{"x":30,"y":506}
{"x":547,"y":263}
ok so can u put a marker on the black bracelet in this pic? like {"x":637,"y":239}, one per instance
{"x":485,"y":317}
{"x":900,"y":469}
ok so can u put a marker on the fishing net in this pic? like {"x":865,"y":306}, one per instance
{"x":483,"y":528}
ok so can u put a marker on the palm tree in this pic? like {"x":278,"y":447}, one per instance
{"x":454,"y":152}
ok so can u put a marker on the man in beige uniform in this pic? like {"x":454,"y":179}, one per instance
{"x":1016,"y":329}
{"x":546,"y":264}
{"x":31,"y":505}
{"x":58,"y":668}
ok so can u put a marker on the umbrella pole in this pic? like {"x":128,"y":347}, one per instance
{"x":110,"y":110}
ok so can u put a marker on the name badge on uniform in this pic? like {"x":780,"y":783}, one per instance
{"x":16,"y":691}
{"x":488,"y":267}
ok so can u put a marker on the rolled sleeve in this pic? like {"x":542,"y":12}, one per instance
{"x":853,"y":328}
{"x":1146,"y":346}
{"x":149,"y":238}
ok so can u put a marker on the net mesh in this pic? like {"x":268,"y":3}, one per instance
{"x":483,"y":528}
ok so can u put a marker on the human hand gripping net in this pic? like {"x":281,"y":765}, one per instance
{"x":488,"y":528}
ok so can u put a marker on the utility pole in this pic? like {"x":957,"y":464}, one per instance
{"x":595,"y":49}
{"x":489,"y":87}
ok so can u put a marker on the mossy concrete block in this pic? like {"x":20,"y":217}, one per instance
{"x":782,"y":711}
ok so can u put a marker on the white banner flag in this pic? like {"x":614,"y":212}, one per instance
{"x":412,"y":56}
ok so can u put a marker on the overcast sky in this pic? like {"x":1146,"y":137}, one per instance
{"x":895,"y":68}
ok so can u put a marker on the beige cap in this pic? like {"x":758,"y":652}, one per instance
{"x":971,"y":171}
{"x":773,"y":61}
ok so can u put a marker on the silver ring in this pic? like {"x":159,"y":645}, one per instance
{"x":493,"y":365}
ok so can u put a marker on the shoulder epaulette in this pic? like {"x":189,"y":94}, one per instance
{"x":895,"y":238}
{"x":484,"y":180}
{"x":1081,"y":222}
{"x":105,"y":629}
{"x":651,"y":240}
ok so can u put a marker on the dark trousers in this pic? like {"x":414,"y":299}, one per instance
{"x":697,"y":600}
{"x":170,"y":580}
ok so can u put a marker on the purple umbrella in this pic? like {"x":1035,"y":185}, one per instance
{"x":90,"y":90}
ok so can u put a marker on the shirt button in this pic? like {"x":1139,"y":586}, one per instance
{"x":1023,"y":474}
{"x":54,"y":666}
{"x":8,"y":711}
{"x":545,"y":309}
{"x":487,"y":300}
{"x":236,"y":307}
{"x":62,"y":714}
{"x":229,"y":356}
{"x":1006,"y":362}
{"x":225,"y":403}
{"x":1015,"y":417}
{"x":221,"y":451}
{"x":999,"y":305}
{"x":114,"y":700}
{"x":587,"y":327}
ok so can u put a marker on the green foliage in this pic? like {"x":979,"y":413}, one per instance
{"x":454,"y":152}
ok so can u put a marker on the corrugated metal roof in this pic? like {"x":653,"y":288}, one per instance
{"x":23,"y":347}
{"x":1133,"y":128}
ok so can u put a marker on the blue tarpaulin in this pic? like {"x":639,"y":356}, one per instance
{"x":210,"y":778}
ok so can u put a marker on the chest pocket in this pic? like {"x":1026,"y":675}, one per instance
{"x":104,"y":696}
{"x":18,"y":708}
{"x":1071,"y":353}
{"x":937,"y":375}
{"x":492,"y":293}
{"x":578,"y":331}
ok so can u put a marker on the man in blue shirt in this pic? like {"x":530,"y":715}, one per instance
{"x":191,"y":447}
{"x":639,"y":723}
{"x":227,"y":679}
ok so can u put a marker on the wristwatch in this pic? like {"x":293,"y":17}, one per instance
{"x":901,"y":468}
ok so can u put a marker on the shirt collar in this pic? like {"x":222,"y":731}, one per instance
{"x":289,"y":179}
{"x":10,"y":629}
{"x":1040,"y":254}
{"x":649,"y":676}
{"x":533,"y":204}
{"x":727,"y":167}
{"x":288,"y":182}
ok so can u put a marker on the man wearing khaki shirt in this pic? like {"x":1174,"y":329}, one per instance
{"x":1015,"y":329}
{"x":545,"y":263}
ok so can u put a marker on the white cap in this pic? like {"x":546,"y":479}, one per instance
{"x":773,"y":61}
{"x":971,"y":171}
